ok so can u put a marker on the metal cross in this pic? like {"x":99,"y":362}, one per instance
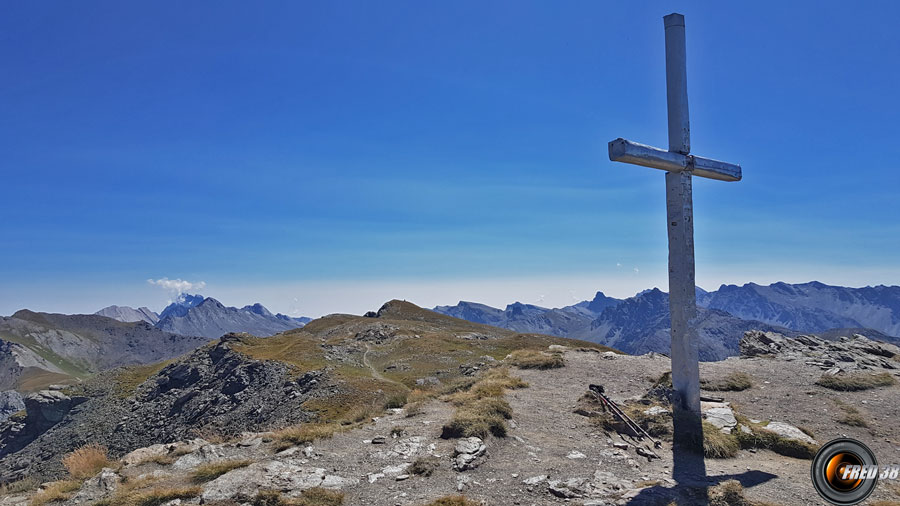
{"x":679,"y":165}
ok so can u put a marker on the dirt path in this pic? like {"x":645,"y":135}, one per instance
{"x":375,"y":374}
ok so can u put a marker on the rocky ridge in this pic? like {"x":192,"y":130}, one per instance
{"x":551,"y":455}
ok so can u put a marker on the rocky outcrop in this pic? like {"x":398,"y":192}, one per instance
{"x":244,"y":484}
{"x":214,"y":389}
{"x":45,"y":409}
{"x":847,"y":353}
{"x":10,"y":402}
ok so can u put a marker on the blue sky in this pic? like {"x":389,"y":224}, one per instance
{"x":324,"y":157}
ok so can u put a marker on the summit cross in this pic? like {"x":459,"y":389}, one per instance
{"x":679,"y":165}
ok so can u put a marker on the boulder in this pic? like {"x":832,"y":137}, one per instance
{"x":45,"y":409}
{"x":467,"y":452}
{"x":97,"y":488}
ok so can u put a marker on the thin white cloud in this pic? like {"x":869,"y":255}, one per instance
{"x":177,"y":286}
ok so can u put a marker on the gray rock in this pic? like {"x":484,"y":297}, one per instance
{"x":98,"y":487}
{"x":11,"y":402}
{"x":245,"y":483}
{"x":45,"y":409}
{"x":720,"y":415}
{"x":467,"y":453}
{"x":789,"y":431}
{"x":534,"y":480}
{"x":571,"y":488}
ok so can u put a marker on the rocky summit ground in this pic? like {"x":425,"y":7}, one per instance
{"x":552,"y":445}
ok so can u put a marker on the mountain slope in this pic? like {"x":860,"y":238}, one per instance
{"x":811,"y":307}
{"x":338,"y":369}
{"x":641,"y":324}
{"x":43,"y":348}
{"x":129,"y":314}
{"x":210,"y":318}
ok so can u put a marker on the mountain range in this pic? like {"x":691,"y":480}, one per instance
{"x":641,"y":323}
{"x":38,"y":349}
{"x":196,"y":315}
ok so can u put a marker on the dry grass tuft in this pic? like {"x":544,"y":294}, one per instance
{"x":734,"y":382}
{"x":56,"y":491}
{"x":851,"y":416}
{"x":728,"y":493}
{"x":481,"y":410}
{"x":533,"y":359}
{"x":856,"y":381}
{"x":717,"y":445}
{"x":453,"y":500}
{"x":86,"y":461}
{"x":395,"y":401}
{"x":211,"y":471}
{"x":762,"y":438}
{"x":154,"y":497}
{"x":19,"y":486}
{"x":425,"y":466}
{"x":310,"y":497}
{"x":305,"y":433}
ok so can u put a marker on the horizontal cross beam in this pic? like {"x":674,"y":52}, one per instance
{"x":622,"y":150}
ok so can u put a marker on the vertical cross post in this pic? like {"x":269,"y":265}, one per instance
{"x":680,"y":216}
{"x":680,"y":166}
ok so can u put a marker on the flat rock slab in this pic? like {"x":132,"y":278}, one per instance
{"x":789,"y":431}
{"x":245,"y":483}
{"x":719,"y":414}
